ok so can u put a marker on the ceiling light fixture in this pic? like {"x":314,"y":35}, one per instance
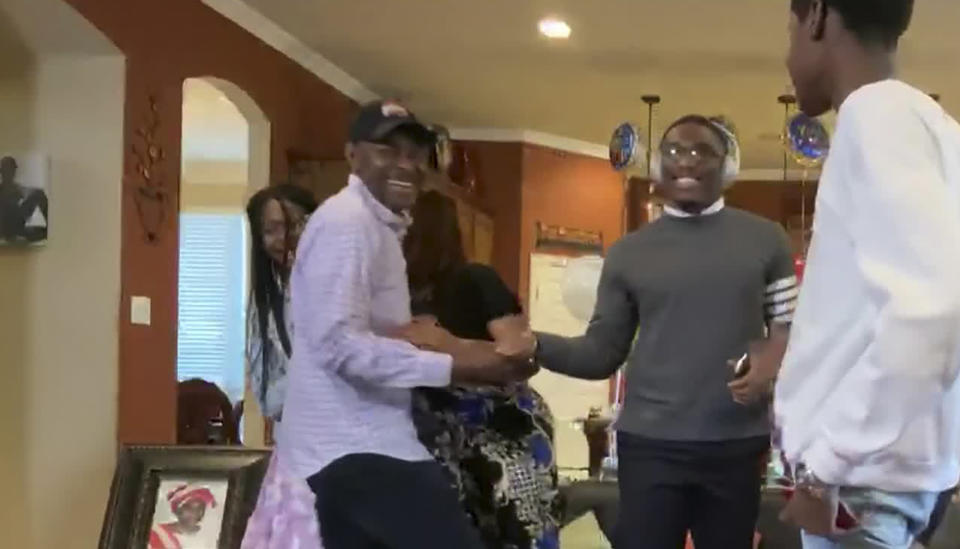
{"x":554,"y":28}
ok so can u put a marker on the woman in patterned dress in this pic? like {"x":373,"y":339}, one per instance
{"x":496,"y":442}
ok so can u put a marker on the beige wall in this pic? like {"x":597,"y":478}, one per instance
{"x":16,"y":134}
{"x":58,"y":321}
{"x":214,"y":185}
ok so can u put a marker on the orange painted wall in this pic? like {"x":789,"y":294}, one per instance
{"x":522,"y":184}
{"x":569,"y":190}
{"x":166,"y":42}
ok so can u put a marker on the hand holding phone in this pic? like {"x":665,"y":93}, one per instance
{"x":741,"y":367}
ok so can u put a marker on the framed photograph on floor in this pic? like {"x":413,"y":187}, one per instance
{"x":182,"y":497}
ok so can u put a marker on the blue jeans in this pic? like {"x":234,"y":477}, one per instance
{"x":887,"y":520}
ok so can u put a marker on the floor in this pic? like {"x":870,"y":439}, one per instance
{"x":583,"y":534}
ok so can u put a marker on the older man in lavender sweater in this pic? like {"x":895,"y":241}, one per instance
{"x":347,"y":428}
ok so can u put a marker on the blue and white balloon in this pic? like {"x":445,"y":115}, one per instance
{"x":807,"y":140}
{"x":627,"y":150}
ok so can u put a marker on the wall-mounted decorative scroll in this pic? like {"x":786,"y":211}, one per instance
{"x":579,"y":240}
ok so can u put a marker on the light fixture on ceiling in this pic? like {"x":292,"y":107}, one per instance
{"x":552,"y":27}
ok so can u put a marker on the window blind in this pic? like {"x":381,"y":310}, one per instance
{"x":211,"y":317}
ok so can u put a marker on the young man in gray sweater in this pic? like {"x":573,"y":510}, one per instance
{"x":702,"y":285}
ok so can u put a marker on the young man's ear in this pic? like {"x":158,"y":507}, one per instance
{"x":816,"y":22}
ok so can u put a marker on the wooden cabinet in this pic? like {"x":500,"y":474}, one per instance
{"x":324,"y":178}
{"x":476,"y":224}
{"x":476,"y":229}
{"x":483,"y":238}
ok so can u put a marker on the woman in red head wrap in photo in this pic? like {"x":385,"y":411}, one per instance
{"x":189,"y":504}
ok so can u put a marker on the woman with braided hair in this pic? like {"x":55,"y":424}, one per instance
{"x":277,"y":216}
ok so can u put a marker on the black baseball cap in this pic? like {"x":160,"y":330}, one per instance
{"x":378,"y":119}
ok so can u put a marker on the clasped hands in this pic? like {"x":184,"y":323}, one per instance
{"x":506,"y":360}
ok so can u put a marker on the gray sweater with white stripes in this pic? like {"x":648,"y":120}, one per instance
{"x":687,"y":294}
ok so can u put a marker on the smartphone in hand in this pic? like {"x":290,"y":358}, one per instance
{"x":741,"y":367}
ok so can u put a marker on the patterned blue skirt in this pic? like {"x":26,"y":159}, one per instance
{"x":497,"y":445}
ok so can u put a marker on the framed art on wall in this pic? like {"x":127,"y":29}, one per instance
{"x":181,"y":497}
{"x":24,"y":199}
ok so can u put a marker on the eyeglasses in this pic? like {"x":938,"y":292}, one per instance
{"x":674,"y":152}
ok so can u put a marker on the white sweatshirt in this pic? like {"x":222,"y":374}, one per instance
{"x":868,"y":393}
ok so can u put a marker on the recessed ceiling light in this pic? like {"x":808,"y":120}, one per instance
{"x":554,"y":28}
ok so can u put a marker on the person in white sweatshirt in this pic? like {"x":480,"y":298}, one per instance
{"x":868,"y":403}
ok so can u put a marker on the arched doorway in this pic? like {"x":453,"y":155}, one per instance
{"x":225,"y":158}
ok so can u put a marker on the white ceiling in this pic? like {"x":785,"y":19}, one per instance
{"x":481,"y":64}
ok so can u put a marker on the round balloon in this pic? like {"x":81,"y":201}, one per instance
{"x":580,"y":281}
{"x":626,"y":147}
{"x":807,"y":140}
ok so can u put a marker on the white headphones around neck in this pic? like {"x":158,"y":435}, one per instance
{"x":731,"y":163}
